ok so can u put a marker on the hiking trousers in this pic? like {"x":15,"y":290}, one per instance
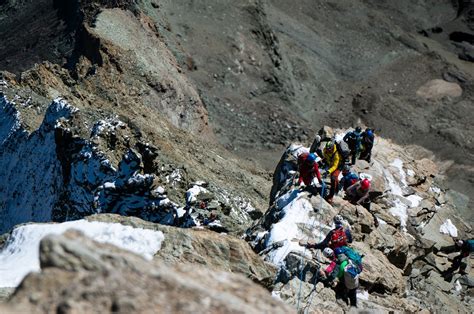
{"x":334,"y":183}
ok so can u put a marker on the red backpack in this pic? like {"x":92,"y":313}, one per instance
{"x":338,"y":238}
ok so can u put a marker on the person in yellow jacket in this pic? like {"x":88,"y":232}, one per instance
{"x":334,"y":162}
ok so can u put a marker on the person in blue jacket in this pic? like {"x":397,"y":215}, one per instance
{"x":354,"y":141}
{"x":348,"y":178}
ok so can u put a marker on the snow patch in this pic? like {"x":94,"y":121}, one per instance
{"x":295,"y":213}
{"x":449,"y":228}
{"x":20,"y":254}
{"x":415,"y":200}
{"x":400,"y":204}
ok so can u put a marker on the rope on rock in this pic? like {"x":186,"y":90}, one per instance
{"x":304,"y":251}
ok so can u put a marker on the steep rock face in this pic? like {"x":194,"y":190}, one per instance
{"x":398,"y":254}
{"x":108,"y":167}
{"x":79,"y":274}
{"x":31,"y":173}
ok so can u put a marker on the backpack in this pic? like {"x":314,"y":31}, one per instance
{"x":338,"y":238}
{"x":351,"y":276}
{"x":352,"y":255}
{"x":470,"y":245}
{"x":343,"y":150}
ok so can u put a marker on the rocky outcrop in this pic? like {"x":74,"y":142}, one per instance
{"x":204,"y":248}
{"x":84,"y":276}
{"x":397,"y":237}
{"x":108,"y":167}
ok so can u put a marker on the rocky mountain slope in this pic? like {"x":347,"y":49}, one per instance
{"x":402,"y":262}
{"x":165,"y":115}
{"x":286,"y":70}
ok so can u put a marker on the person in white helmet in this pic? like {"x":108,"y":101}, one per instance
{"x":341,"y":269}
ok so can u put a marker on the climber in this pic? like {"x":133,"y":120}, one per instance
{"x":345,"y":271}
{"x":368,"y":138}
{"x":308,"y":169}
{"x":354,"y":141}
{"x":337,"y":237}
{"x":315,"y":146}
{"x":333,"y":161}
{"x":465,"y":247}
{"x":348,"y":178}
{"x":359,"y":194}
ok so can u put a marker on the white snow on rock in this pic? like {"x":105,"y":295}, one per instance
{"x":415,"y":200}
{"x":193,"y":193}
{"x":295,"y":212}
{"x":106,"y":126}
{"x":400,"y":203}
{"x":20,"y":254}
{"x":449,"y":228}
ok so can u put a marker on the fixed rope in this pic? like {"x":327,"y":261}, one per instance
{"x":304,"y":251}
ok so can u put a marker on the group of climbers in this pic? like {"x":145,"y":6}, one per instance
{"x":334,"y":159}
{"x":360,"y":144}
{"x":345,"y":265}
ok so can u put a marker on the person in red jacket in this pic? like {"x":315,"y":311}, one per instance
{"x":308,"y":169}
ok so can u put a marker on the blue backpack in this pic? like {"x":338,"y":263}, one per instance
{"x":352,"y":255}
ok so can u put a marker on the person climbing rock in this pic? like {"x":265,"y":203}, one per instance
{"x":367,"y":144}
{"x":337,"y":237}
{"x":348,"y":178}
{"x":465,"y":248}
{"x":354,"y":141}
{"x":345,"y":271}
{"x":333,"y":161}
{"x":308,"y":170}
{"x":359,"y":194}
